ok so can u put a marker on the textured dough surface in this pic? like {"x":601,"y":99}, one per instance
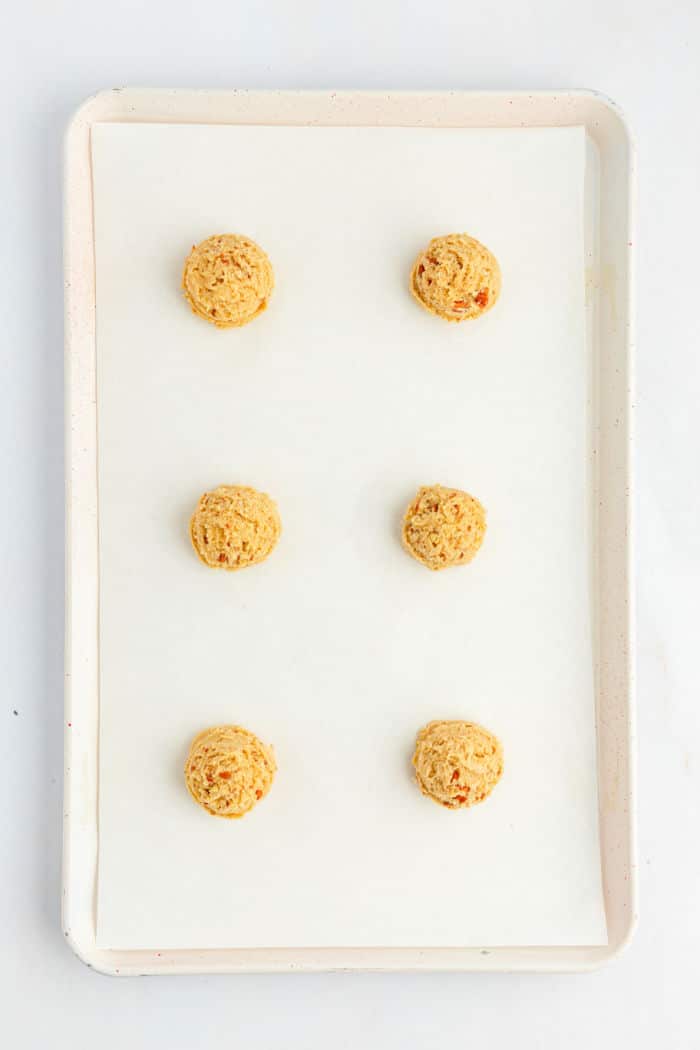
{"x":456,"y":277}
{"x":443,"y":527}
{"x":227,"y":280}
{"x":228,"y":770}
{"x":234,"y":526}
{"x":457,"y":763}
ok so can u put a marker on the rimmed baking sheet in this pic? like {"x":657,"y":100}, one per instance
{"x":340,"y":401}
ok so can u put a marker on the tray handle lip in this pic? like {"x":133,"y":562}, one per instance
{"x":93,"y":106}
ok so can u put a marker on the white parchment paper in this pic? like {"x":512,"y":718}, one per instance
{"x":340,"y":401}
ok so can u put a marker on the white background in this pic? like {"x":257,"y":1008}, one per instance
{"x":643,"y":54}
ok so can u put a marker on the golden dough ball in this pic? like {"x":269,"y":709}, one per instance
{"x":234,"y":526}
{"x":443,"y":527}
{"x":229,"y":770}
{"x":228,"y":280}
{"x":456,"y":278}
{"x":457,"y":764}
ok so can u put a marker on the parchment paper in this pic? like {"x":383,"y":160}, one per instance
{"x":340,"y":401}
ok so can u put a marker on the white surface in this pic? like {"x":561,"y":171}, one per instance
{"x":339,"y":647}
{"x":646,"y":999}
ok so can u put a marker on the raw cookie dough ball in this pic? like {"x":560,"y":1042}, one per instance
{"x":228,"y":770}
{"x":443,"y":527}
{"x":456,"y":277}
{"x":234,"y":527}
{"x":228,"y":280}
{"x":457,"y":763}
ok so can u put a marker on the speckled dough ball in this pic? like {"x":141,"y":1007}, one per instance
{"x":443,"y":527}
{"x":228,"y":770}
{"x":457,"y":763}
{"x":234,"y":527}
{"x":456,"y":277}
{"x":228,"y":280}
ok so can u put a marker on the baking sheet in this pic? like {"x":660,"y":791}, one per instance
{"x":340,"y":401}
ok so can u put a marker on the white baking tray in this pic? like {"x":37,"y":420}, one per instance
{"x":610,"y":336}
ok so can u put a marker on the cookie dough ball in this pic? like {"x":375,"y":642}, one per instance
{"x":457,"y":763}
{"x":228,"y":770}
{"x":456,"y":277}
{"x":443,"y":527}
{"x":228,"y":280}
{"x":234,"y":527}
